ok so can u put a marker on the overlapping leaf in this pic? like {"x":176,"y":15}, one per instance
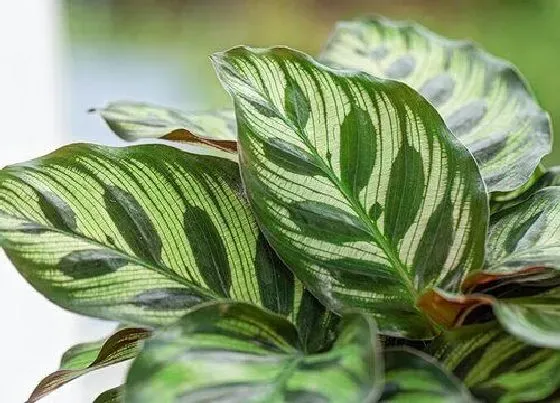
{"x":541,"y":178}
{"x":526,"y":238}
{"x":411,"y":376}
{"x":357,"y":184}
{"x":141,"y":234}
{"x":484,"y":100}
{"x":121,"y":346}
{"x":214,"y":131}
{"x":234,"y":352}
{"x":498,"y":367}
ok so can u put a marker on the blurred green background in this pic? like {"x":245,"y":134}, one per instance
{"x":157,"y":50}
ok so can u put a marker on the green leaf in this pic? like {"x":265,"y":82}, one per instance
{"x":498,"y":367}
{"x":236,"y":352}
{"x":525,"y":238}
{"x":534,"y":319}
{"x":411,"y":376}
{"x":114,"y":395}
{"x":541,"y":178}
{"x":213,"y":131}
{"x":484,"y":100}
{"x":80,"y":360}
{"x":141,"y":234}
{"x":388,"y":204}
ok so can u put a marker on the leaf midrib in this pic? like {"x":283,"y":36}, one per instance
{"x":163,"y":270}
{"x":374,"y":231}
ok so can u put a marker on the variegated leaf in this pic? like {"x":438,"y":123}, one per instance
{"x":525,"y":239}
{"x":498,"y":367}
{"x":357,"y":184}
{"x":412,"y":376}
{"x":535,"y":318}
{"x":141,"y":234}
{"x":80,"y":360}
{"x":542,"y":177}
{"x":235,"y":352}
{"x":213,"y":131}
{"x":484,"y":100}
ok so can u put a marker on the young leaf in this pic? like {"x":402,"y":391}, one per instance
{"x":484,"y":100}
{"x":357,"y":184}
{"x":498,"y":367}
{"x":235,"y":352}
{"x":213,"y":130}
{"x":411,"y":376}
{"x":121,"y":346}
{"x":140,"y":234}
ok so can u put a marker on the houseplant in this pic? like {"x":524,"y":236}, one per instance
{"x":372,"y":225}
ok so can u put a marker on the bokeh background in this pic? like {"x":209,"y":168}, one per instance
{"x":62,"y":57}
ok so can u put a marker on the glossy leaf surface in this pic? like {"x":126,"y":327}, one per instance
{"x":234,"y":352}
{"x":357,"y":184}
{"x":411,"y":376}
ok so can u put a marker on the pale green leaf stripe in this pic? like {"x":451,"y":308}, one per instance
{"x":484,"y":100}
{"x":412,"y":376}
{"x":498,"y":367}
{"x":527,"y":236}
{"x":141,"y":234}
{"x":357,"y":184}
{"x":212,"y":131}
{"x":114,"y":395}
{"x":121,"y":346}
{"x":535,"y":319}
{"x":542,"y":177}
{"x":235,"y":352}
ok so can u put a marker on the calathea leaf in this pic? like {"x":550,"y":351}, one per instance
{"x":214,"y":131}
{"x":236,"y":352}
{"x":411,"y":376}
{"x":542,"y":177}
{"x":141,"y":234}
{"x":498,"y":367}
{"x":535,"y":319}
{"x":524,"y":240}
{"x":114,"y":395}
{"x":357,"y":184}
{"x":121,"y":346}
{"x":484,"y":100}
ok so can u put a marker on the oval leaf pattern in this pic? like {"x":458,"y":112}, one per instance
{"x":212,"y":131}
{"x":357,"y":184}
{"x":484,"y":100}
{"x":141,"y":234}
{"x":498,"y":367}
{"x":234,"y":352}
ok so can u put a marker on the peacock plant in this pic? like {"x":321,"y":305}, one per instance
{"x":373,"y":224}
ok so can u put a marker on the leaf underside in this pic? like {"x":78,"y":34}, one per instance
{"x":483,"y":100}
{"x":82,"y":359}
{"x":356,"y":183}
